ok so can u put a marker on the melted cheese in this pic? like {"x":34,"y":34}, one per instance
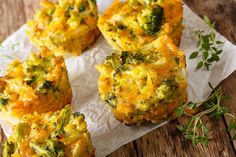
{"x":53,"y":134}
{"x":123,"y":23}
{"x":39,"y":84}
{"x":65,"y":27}
{"x":145,"y":85}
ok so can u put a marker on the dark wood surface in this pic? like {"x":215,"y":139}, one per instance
{"x":166,"y":141}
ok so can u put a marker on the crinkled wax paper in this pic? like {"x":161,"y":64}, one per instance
{"x":107,"y":133}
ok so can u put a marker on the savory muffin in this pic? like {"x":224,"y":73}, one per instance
{"x":132,"y":24}
{"x":54,"y":134}
{"x":67,"y":26}
{"x":39,"y":84}
{"x":146,"y":85}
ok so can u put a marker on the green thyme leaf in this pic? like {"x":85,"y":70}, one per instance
{"x":200,"y":65}
{"x":219,"y":42}
{"x":205,"y":54}
{"x":193,"y":55}
{"x":209,"y":48}
{"x":208,"y":21}
{"x":195,"y":128}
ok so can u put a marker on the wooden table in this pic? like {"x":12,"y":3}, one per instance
{"x":167,"y":140}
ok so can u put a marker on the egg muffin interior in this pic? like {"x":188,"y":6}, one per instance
{"x":38,"y":84}
{"x":146,"y":85}
{"x":58,"y":134}
{"x":65,"y":26}
{"x":129,"y":25}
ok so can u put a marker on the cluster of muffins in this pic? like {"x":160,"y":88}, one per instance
{"x":35,"y":94}
{"x":145,"y":78}
{"x":68,"y":26}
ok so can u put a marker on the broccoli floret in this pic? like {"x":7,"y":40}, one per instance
{"x":30,"y":80}
{"x":139,"y":57}
{"x":3,"y":101}
{"x":121,"y":27}
{"x":52,"y":148}
{"x":151,"y":20}
{"x":64,"y":120}
{"x":168,"y":90}
{"x":8,"y":149}
{"x":124,"y":55}
{"x":77,"y":114}
{"x":113,"y":60}
{"x":40,"y":150}
{"x":82,"y":7}
{"x":45,"y":87}
{"x":21,"y":130}
{"x":121,"y":68}
{"x":111,"y":99}
{"x":127,"y":57}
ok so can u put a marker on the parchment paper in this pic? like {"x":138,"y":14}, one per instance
{"x":107,"y":133}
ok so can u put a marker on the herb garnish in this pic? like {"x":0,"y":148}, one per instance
{"x":209,"y":48}
{"x":195,"y":129}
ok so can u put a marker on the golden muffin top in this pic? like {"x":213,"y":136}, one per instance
{"x":38,"y":84}
{"x":132,"y":24}
{"x":144,"y":85}
{"x":67,"y":26}
{"x":55,"y":134}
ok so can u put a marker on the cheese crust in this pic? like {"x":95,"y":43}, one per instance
{"x":38,"y":84}
{"x":132,"y":24}
{"x":54,"y":134}
{"x":66,"y":27}
{"x":146,"y":85}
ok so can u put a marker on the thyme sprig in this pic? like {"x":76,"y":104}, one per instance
{"x":209,"y":48}
{"x":195,"y":129}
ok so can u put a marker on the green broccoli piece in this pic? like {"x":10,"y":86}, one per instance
{"x":139,"y":57}
{"x":124,"y":56}
{"x":111,"y":99}
{"x":45,"y":87}
{"x":151,"y":20}
{"x":52,"y":148}
{"x":128,"y":58}
{"x":77,"y":114}
{"x":21,"y":130}
{"x":64,"y":120}
{"x":3,"y":101}
{"x":40,"y":150}
{"x":113,"y":60}
{"x":8,"y":149}
{"x":168,"y":90}
{"x":82,"y":7}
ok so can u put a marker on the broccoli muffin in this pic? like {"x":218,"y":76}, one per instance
{"x":55,"y":134}
{"x":68,"y":26}
{"x":39,"y":84}
{"x":145,"y":85}
{"x":132,"y":24}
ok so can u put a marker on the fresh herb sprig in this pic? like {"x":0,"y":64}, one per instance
{"x":209,"y":48}
{"x":195,"y":129}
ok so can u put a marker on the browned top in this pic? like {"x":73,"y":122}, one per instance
{"x":167,"y":140}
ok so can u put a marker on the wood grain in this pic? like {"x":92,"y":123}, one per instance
{"x":126,"y":151}
{"x":167,"y":140}
{"x":223,"y":12}
{"x":229,"y":88}
{"x":30,"y":6}
{"x":12,"y":16}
